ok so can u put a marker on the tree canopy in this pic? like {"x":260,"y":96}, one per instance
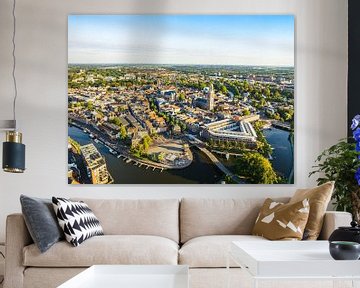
{"x":257,"y":169}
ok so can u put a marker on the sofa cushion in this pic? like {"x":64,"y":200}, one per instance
{"x":211,"y":251}
{"x":319,"y":198}
{"x":107,"y":249}
{"x":201,"y":217}
{"x":279,"y":221}
{"x":41,"y":221}
{"x":158,"y":217}
{"x":76,"y":220}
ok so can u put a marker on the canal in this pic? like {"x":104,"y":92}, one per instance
{"x":127,"y":173}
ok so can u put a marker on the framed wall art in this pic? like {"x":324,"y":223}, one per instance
{"x":180,"y":99}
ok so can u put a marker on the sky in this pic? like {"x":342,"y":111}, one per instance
{"x":264,"y":40}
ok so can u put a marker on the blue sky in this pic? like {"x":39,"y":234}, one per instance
{"x":182,"y":39}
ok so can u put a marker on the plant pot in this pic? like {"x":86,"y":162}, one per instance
{"x":350,"y":234}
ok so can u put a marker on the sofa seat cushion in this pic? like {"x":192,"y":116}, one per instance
{"x":211,"y":251}
{"x":107,"y":249}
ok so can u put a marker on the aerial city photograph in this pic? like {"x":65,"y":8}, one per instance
{"x":180,"y":99}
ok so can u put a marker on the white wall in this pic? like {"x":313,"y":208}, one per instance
{"x":321,"y":65}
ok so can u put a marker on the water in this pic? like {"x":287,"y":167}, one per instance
{"x":283,"y":155}
{"x":127,"y":173}
{"x":201,"y":171}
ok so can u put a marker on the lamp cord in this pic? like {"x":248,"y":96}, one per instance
{"x":14,"y":61}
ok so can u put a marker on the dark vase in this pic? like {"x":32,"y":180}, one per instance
{"x":350,"y":234}
{"x":343,"y":250}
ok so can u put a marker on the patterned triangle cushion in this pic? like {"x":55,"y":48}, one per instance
{"x":279,"y":221}
{"x":76,"y":220}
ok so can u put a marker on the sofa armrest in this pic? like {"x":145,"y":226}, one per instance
{"x":333,"y":220}
{"x":17,"y":237}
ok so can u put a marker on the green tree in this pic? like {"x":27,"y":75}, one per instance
{"x":181,"y":96}
{"x":182,"y":126}
{"x":90,"y":105}
{"x":115,"y":120}
{"x":246,"y":112}
{"x":123,"y":132}
{"x":256,"y":168}
{"x":146,"y":141}
{"x":223,"y":89}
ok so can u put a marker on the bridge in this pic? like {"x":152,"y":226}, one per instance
{"x":227,"y":153}
{"x":200,"y":145}
{"x":281,"y":125}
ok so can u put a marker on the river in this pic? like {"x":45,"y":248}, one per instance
{"x":283,"y":154}
{"x":201,"y":171}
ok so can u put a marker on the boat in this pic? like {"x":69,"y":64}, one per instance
{"x":92,"y":136}
{"x":88,"y":171}
{"x":113,"y":152}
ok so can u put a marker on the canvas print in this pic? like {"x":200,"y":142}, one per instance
{"x":181,"y":99}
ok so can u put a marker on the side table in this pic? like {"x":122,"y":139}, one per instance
{"x":293,"y":264}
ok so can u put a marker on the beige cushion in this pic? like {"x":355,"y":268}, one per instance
{"x":200,"y":217}
{"x":319,"y":198}
{"x":211,"y":251}
{"x":279,"y":221}
{"x":108,"y":249}
{"x":137,"y":217}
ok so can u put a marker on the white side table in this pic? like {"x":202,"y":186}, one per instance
{"x":293,"y":262}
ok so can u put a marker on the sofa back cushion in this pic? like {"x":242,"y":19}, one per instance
{"x":201,"y":217}
{"x":158,"y":217}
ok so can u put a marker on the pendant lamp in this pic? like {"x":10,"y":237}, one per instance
{"x":13,"y":159}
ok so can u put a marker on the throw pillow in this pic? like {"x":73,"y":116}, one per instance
{"x":77,"y":220}
{"x":279,"y":221}
{"x":41,"y":222}
{"x":319,"y":198}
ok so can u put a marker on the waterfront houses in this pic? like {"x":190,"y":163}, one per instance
{"x":95,"y":165}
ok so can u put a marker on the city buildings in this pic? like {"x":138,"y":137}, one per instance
{"x":231,"y":131}
{"x":95,"y":165}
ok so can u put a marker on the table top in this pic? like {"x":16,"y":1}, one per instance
{"x":131,"y":276}
{"x":291,"y":259}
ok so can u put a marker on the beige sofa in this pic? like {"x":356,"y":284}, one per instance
{"x":194,"y":232}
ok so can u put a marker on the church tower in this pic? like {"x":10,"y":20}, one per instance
{"x":210,"y":98}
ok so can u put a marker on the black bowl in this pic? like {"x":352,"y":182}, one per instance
{"x":344,"y":250}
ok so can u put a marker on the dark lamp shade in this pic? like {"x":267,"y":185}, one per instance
{"x":13,"y":157}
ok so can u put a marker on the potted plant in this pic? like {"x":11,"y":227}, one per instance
{"x":341,"y":163}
